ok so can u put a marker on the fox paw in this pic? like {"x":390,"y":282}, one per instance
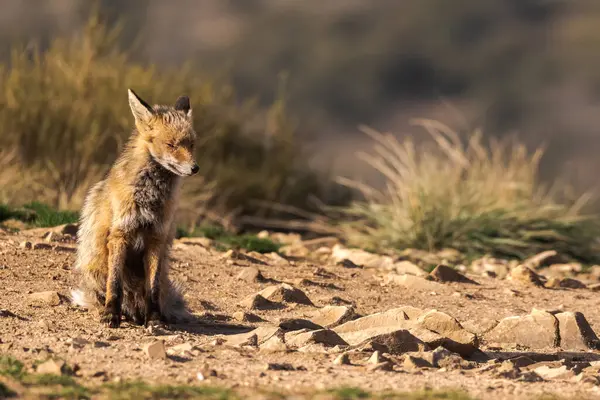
{"x":153,"y":319}
{"x":111,"y":319}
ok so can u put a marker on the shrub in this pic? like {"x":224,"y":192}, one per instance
{"x":474,"y":198}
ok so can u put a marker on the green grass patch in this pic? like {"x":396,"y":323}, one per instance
{"x":225,"y":240}
{"x":11,"y":367}
{"x":350,"y":393}
{"x":471,"y":196}
{"x":141,"y":390}
{"x":46,"y":216}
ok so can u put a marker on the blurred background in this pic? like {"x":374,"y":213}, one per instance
{"x":315,"y":70}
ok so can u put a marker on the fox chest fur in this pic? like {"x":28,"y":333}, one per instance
{"x":153,"y":202}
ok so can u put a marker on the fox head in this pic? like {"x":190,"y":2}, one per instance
{"x":167,"y":132}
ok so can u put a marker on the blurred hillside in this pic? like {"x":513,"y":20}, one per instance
{"x":530,"y":67}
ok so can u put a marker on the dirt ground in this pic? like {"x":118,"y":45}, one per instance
{"x":31,"y":331}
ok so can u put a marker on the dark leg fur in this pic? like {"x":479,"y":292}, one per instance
{"x":114,"y":283}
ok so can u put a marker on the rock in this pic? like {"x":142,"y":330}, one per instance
{"x":280,"y":367}
{"x":262,"y":334}
{"x":543,"y":259}
{"x":348,"y":264}
{"x":295,"y":250}
{"x":594,"y":287}
{"x":50,"y":298}
{"x":568,"y":283}
{"x":156,"y":350}
{"x":443,"y":273}
{"x":314,"y":244}
{"x":332,"y":316}
{"x":342,"y":359}
{"x":388,"y":318}
{"x":490,"y":266}
{"x":77,"y":342}
{"x":285,"y":293}
{"x":360,"y":257}
{"x":391,"y":339}
{"x":242,"y":316}
{"x":68,"y":229}
{"x":413,"y":362}
{"x":376,"y":358}
{"x":184,"y":349}
{"x":563,"y":270}
{"x":537,"y":330}
{"x":547,"y":372}
{"x":274,"y":344}
{"x":525,"y":276}
{"x":25,"y":245}
{"x":258,"y":302}
{"x":384,"y":366}
{"x":444,"y":358}
{"x":296,"y":324}
{"x":326,"y":337}
{"x":51,"y":367}
{"x":459,"y":340}
{"x":206,"y":372}
{"x":480,"y":326}
{"x":41,"y":246}
{"x":575,"y":332}
{"x":409,"y":268}
{"x":243,"y":340}
{"x":52,"y":237}
{"x":413,"y":282}
{"x":250,"y":275}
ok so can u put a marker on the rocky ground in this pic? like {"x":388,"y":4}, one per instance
{"x":316,"y":316}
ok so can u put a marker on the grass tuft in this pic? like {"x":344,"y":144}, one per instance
{"x":141,"y":390}
{"x":225,"y":240}
{"x":467,"y":196}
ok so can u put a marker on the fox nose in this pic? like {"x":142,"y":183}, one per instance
{"x":195,"y":169}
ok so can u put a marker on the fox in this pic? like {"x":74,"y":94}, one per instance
{"x":126,"y":226}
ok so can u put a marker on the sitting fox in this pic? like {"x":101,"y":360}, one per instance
{"x":126,"y":226}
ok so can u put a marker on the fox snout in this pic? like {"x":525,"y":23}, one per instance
{"x":195,"y":169}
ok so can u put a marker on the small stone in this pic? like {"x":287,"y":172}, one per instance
{"x":285,"y":293}
{"x":279,"y":367}
{"x":242,"y":316}
{"x":51,"y":367}
{"x":543,"y":259}
{"x":51,"y":237}
{"x":568,"y":283}
{"x":239,"y":340}
{"x":184,"y":348}
{"x":342,"y":359}
{"x":69,"y":229}
{"x":296,"y":324}
{"x":42,"y":246}
{"x":384,"y":366}
{"x":274,"y":344}
{"x":460,"y":340}
{"x":537,"y":330}
{"x":332,"y":316}
{"x":156,"y":350}
{"x":348,"y":264}
{"x":393,"y":316}
{"x":407,"y":267}
{"x":412,"y":363}
{"x":376,"y":358}
{"x":444,"y":273}
{"x":547,"y":372}
{"x":50,"y":298}
{"x":324,"y":336}
{"x":25,"y":245}
{"x":575,"y":332}
{"x":251,"y":275}
{"x":258,"y":302}
{"x":525,"y":276}
{"x":480,"y":326}
{"x":77,"y":343}
{"x":413,"y":282}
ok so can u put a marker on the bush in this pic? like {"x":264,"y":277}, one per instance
{"x":64,"y":117}
{"x":466,"y":196}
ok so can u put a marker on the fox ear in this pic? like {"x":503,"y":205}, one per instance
{"x":183,"y":104}
{"x":142,"y":112}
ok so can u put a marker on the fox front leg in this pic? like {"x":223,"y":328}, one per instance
{"x":114,"y":281}
{"x":152,"y":264}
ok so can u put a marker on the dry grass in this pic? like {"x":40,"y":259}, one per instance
{"x":64,"y":117}
{"x":468,"y":196}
